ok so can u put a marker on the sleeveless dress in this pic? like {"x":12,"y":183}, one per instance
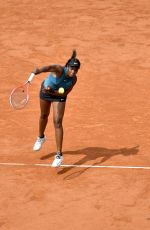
{"x":55,"y":84}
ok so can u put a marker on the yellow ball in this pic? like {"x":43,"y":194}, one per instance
{"x":61,"y":90}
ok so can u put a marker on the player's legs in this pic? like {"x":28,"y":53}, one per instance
{"x":58,"y":113}
{"x":45,"y":111}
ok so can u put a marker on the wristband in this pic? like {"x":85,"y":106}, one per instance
{"x":31,"y":77}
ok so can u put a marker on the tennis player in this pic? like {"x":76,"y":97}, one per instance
{"x":60,"y":76}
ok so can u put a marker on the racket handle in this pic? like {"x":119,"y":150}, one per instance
{"x":31,"y":77}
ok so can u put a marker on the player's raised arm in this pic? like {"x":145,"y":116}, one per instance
{"x":57,"y":69}
{"x":51,"y":68}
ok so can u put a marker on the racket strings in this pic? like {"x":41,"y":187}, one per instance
{"x":19,"y":97}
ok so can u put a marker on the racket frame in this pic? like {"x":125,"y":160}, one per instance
{"x":27,"y":90}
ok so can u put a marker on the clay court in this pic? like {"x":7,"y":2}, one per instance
{"x":104,"y":182}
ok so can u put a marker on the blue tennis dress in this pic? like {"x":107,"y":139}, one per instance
{"x":55,"y":84}
{"x":63,"y":81}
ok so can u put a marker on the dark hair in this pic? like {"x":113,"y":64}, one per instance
{"x":73,"y":61}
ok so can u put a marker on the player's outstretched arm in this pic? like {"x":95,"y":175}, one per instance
{"x":51,"y":68}
{"x":57,"y":69}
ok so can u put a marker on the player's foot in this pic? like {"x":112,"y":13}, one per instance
{"x":57,"y":161}
{"x":38,"y":144}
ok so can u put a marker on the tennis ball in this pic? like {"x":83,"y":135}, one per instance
{"x":61,"y":90}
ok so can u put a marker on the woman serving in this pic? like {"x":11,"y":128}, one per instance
{"x":54,"y":91}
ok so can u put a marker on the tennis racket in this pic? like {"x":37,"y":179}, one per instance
{"x":19,"y":96}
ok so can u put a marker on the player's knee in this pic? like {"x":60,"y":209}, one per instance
{"x":57,"y":123}
{"x":44,"y":116}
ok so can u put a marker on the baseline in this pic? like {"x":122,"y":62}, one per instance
{"x":78,"y":166}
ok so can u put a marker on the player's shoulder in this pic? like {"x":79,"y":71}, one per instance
{"x":58,"y":69}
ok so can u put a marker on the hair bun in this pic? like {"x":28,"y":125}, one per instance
{"x":74,"y":54}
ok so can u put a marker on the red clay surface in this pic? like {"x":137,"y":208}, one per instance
{"x":107,"y":119}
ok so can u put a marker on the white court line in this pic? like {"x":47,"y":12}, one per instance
{"x":79,"y":166}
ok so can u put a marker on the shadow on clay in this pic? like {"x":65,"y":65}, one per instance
{"x":93,"y":153}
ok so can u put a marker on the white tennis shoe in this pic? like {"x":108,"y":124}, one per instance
{"x":57,"y":161}
{"x":38,"y":144}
